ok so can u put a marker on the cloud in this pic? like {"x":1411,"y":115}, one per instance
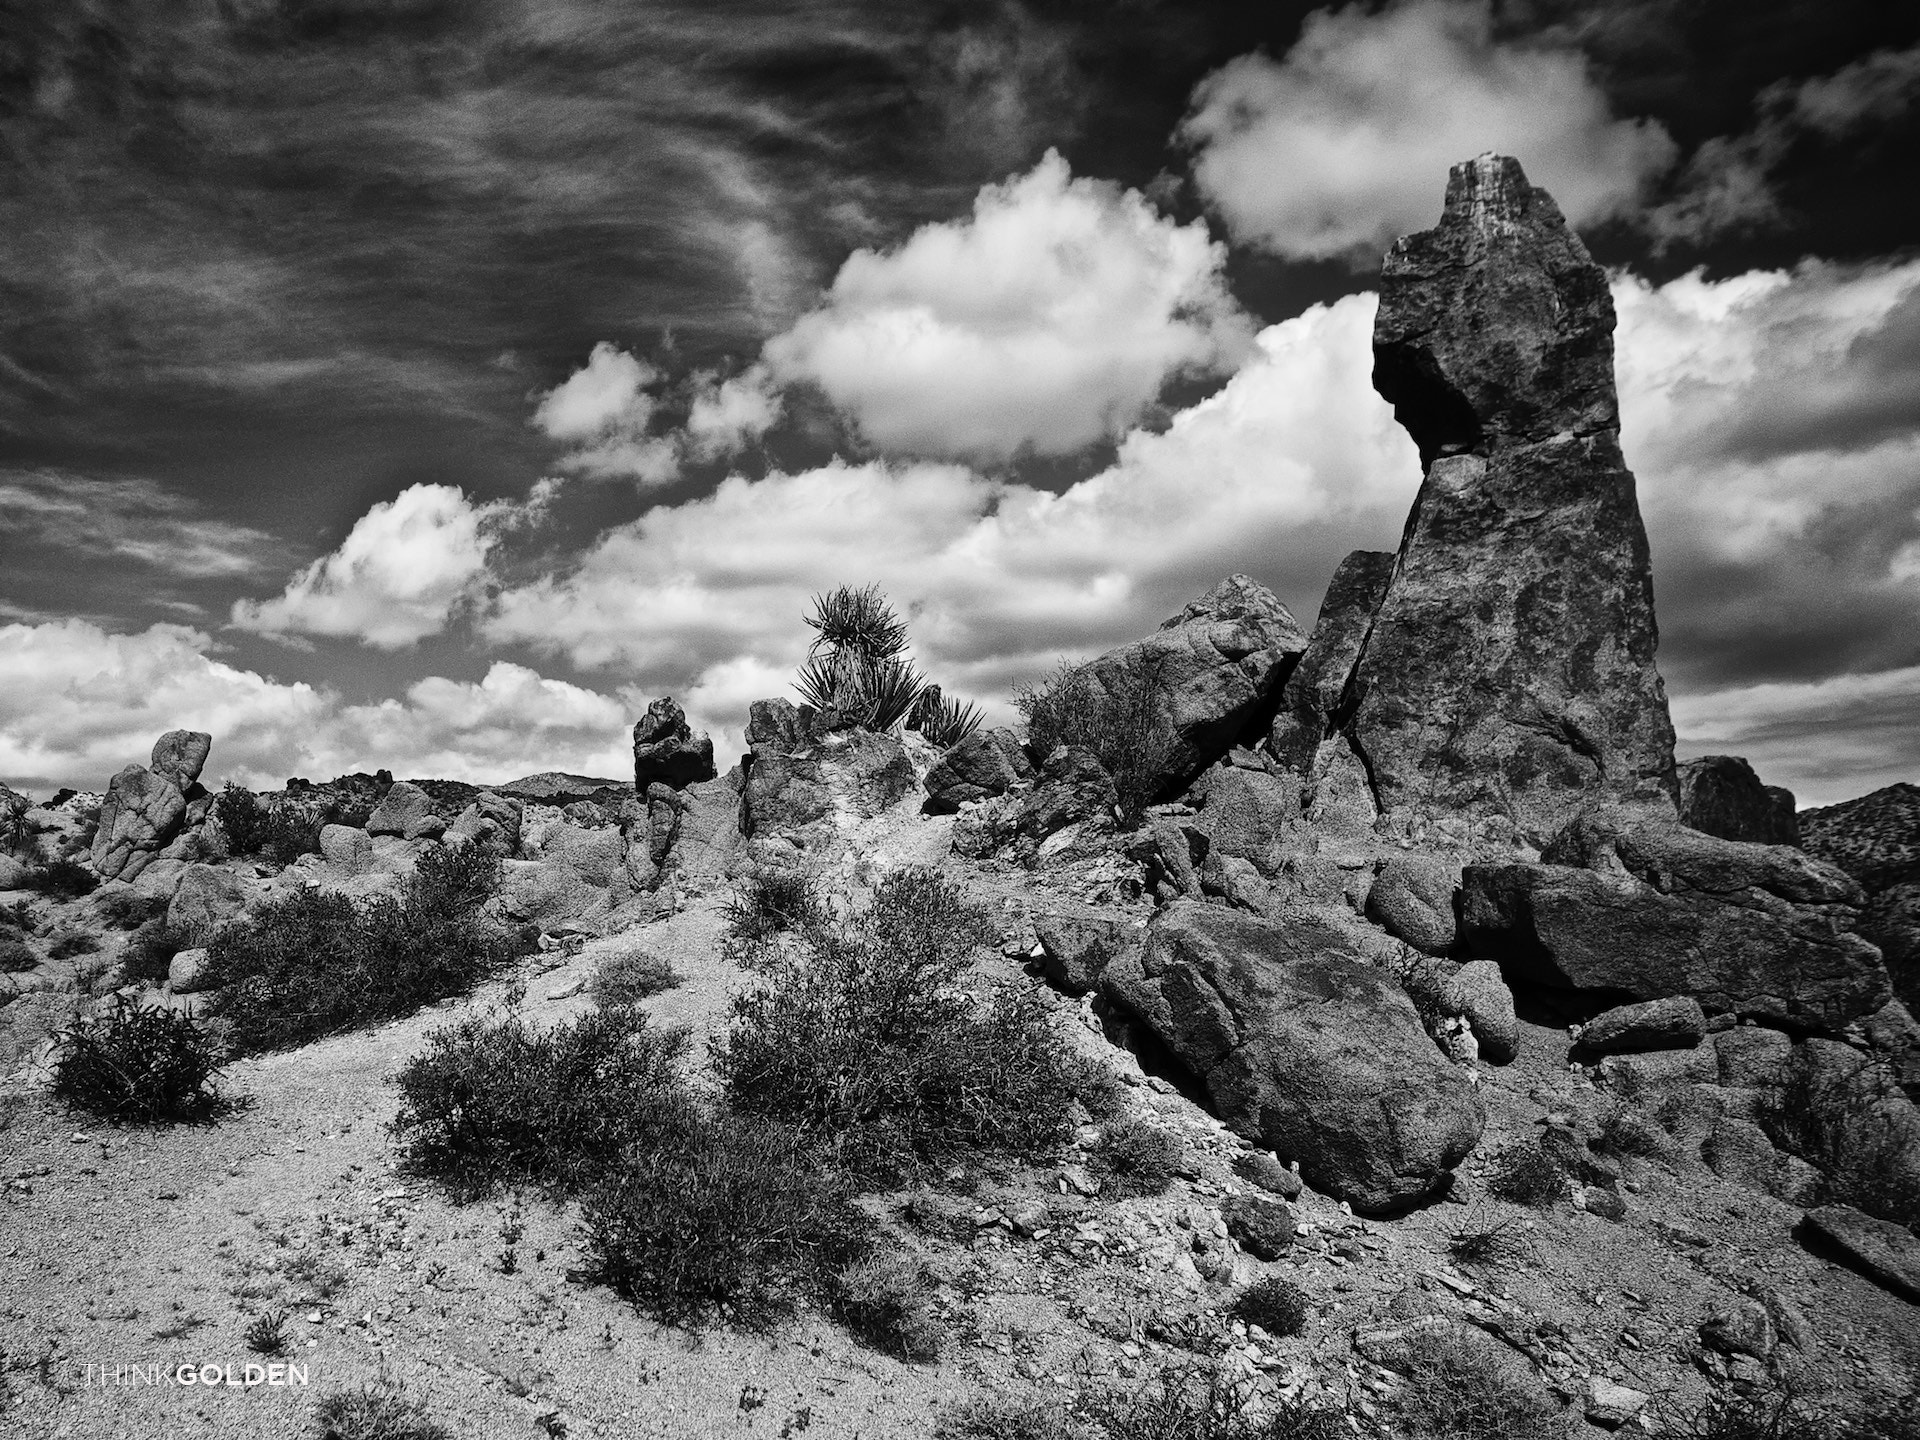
{"x":1046,"y":322}
{"x":1293,"y":462}
{"x":404,"y":569}
{"x":78,"y":702}
{"x":130,"y":521}
{"x":1344,"y":143}
{"x":728,"y":414}
{"x":1728,"y":184}
{"x":603,"y":410}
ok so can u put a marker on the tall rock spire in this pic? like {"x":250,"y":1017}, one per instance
{"x":1509,"y":667}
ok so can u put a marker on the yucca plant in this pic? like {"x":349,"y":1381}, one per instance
{"x":948,"y":721}
{"x":855,"y":665}
{"x":859,"y":623}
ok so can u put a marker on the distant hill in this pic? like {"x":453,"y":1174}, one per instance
{"x":556,"y":787}
{"x":1875,"y":839}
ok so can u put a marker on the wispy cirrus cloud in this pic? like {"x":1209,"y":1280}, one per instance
{"x":129,"y":521}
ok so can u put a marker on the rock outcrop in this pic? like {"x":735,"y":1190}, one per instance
{"x":1315,"y":701}
{"x":985,"y":764}
{"x":180,"y":755}
{"x":1303,"y":1048}
{"x":1721,"y":795}
{"x":1217,"y":669}
{"x":408,"y":811}
{"x":1876,"y":839}
{"x":142,"y":811}
{"x":666,"y":751}
{"x":1634,"y":904}
{"x":1509,"y":666}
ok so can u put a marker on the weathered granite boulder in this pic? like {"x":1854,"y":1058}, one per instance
{"x":1303,"y":1048}
{"x":1752,"y":1057}
{"x":1891,"y":921}
{"x":206,"y":898}
{"x":1413,"y":899}
{"x":1674,"y":1023}
{"x":1721,"y":795}
{"x":1313,"y":701}
{"x":985,"y":764}
{"x":492,"y":820}
{"x":777,"y":724}
{"x":841,"y":777}
{"x":142,"y":811}
{"x":1072,"y":786}
{"x":1886,"y":1251}
{"x":1075,"y":949}
{"x":407,"y":811}
{"x":1509,"y":667}
{"x":1218,"y":666}
{"x":1738,"y":1149}
{"x":180,"y":755}
{"x":1634,"y":903}
{"x":704,"y":832}
{"x":1478,"y":991}
{"x":1248,"y":814}
{"x":187,"y":971}
{"x":666,"y":751}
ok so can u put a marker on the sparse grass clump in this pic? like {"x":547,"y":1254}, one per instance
{"x":885,"y":1301}
{"x":1459,"y":1390}
{"x":1626,"y":1129}
{"x":267,"y":1335}
{"x":1120,"y":714}
{"x":1277,"y":1306}
{"x":861,"y":1036}
{"x":1195,"y":1402}
{"x":74,"y":942}
{"x":149,"y":951}
{"x":629,"y":978}
{"x":1010,"y":1419}
{"x":128,"y":909}
{"x":138,"y":1065}
{"x":369,"y":1414}
{"x":16,"y":955}
{"x":1526,"y":1175}
{"x":1136,"y":1157}
{"x":1475,"y":1241}
{"x":317,"y":963}
{"x":494,"y":1101}
{"x":770,"y":903}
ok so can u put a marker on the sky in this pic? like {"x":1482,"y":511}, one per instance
{"x":429,"y":384}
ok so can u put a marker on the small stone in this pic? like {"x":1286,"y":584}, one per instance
{"x":1604,"y":1203}
{"x":1741,"y":1327}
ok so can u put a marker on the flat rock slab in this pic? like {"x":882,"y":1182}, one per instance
{"x":1886,"y":1251}
{"x":1674,"y":1023}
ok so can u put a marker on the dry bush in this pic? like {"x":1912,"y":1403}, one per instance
{"x":138,"y":1065}
{"x":1526,"y":1175}
{"x":1136,"y":1157}
{"x":1120,"y":716}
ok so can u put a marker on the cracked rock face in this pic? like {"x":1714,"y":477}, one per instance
{"x":1509,"y":666}
{"x":666,"y":751}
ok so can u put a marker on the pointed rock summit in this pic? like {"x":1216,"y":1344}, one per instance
{"x":1508,"y":668}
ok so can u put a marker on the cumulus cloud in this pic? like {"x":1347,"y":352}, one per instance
{"x":78,"y":702}
{"x":726,"y":415}
{"x":1048,"y":320}
{"x":1728,"y":185}
{"x":1293,"y":461}
{"x":1344,"y":143}
{"x":406,"y":566}
{"x":603,"y":410}
{"x":1771,"y":419}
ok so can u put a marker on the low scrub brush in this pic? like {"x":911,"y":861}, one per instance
{"x":138,"y":1065}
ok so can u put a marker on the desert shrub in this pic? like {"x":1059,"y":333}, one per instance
{"x":860,"y":1035}
{"x":149,"y":951}
{"x":243,"y":819}
{"x":15,"y":829}
{"x":1839,"y":1124}
{"x":1277,"y":1306}
{"x":16,"y":956}
{"x":74,"y":942}
{"x":1121,"y":715}
{"x":1136,"y":1157}
{"x":370,"y":1414}
{"x":629,"y":978}
{"x":128,"y":909}
{"x":1526,"y":1175}
{"x":61,"y":878}
{"x":493,"y":1101}
{"x":885,"y":1300}
{"x":856,"y":666}
{"x":1458,"y":1390}
{"x":1776,"y":1410}
{"x":1476,"y":1241}
{"x":769,"y":903}
{"x":1195,"y":1402}
{"x":138,"y":1065}
{"x":734,"y":1219}
{"x":316,"y":963}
